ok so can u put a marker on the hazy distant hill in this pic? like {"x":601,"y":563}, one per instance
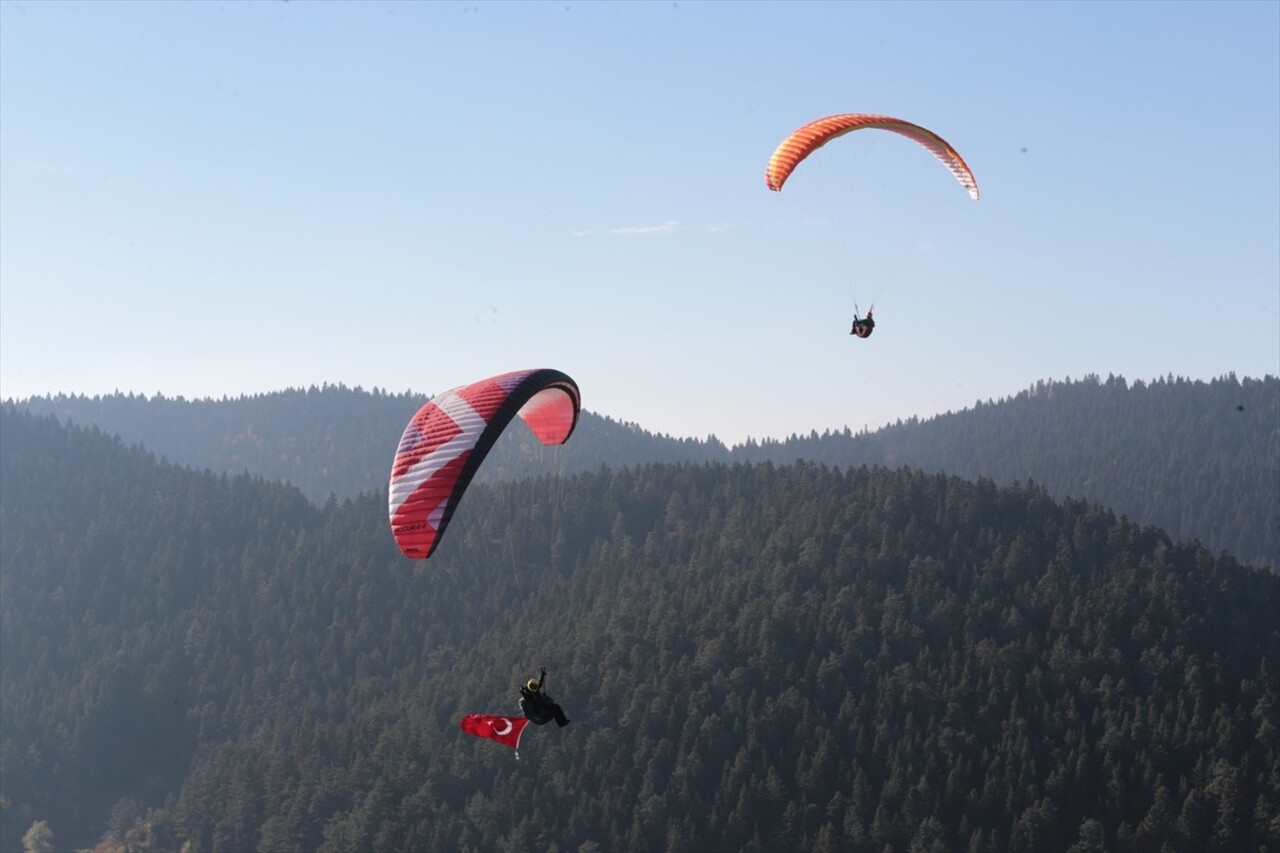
{"x":340,"y":441}
{"x":1200,"y":459}
{"x":756,"y":657}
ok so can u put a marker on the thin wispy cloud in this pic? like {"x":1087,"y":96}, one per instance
{"x":645,"y":230}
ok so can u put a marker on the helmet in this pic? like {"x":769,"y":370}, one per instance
{"x":533,"y":684}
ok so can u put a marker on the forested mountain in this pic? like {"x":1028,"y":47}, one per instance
{"x":1198,"y":459}
{"x":755,"y":656}
{"x":339,"y":441}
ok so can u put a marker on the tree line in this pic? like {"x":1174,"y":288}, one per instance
{"x":1198,"y":459}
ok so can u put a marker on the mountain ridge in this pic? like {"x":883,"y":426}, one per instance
{"x":1199,"y":459}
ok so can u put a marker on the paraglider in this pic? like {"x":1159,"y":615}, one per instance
{"x":539,"y":707}
{"x":803,"y":141}
{"x":447,"y":440}
{"x":862,"y":327}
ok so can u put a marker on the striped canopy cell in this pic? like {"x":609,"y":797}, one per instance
{"x":447,"y":440}
{"x":812,"y":136}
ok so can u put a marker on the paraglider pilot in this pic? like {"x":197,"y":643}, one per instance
{"x":863,"y":328}
{"x":538,"y":706}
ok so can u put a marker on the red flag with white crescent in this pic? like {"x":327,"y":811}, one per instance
{"x":505,"y":730}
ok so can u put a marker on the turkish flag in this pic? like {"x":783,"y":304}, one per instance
{"x":505,"y":730}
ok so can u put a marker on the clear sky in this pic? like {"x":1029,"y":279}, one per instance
{"x":221,"y":198}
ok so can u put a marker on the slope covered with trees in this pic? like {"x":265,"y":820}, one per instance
{"x":1201,"y":460}
{"x":755,"y":657}
{"x":1198,"y":459}
{"x":339,"y":441}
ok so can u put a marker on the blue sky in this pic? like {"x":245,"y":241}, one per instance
{"x":208,"y":199}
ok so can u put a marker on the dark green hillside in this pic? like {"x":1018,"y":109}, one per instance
{"x":755,"y":657}
{"x":335,"y":440}
{"x":1198,"y":459}
{"x":1201,"y":460}
{"x":329,"y":440}
{"x":112,"y":569}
